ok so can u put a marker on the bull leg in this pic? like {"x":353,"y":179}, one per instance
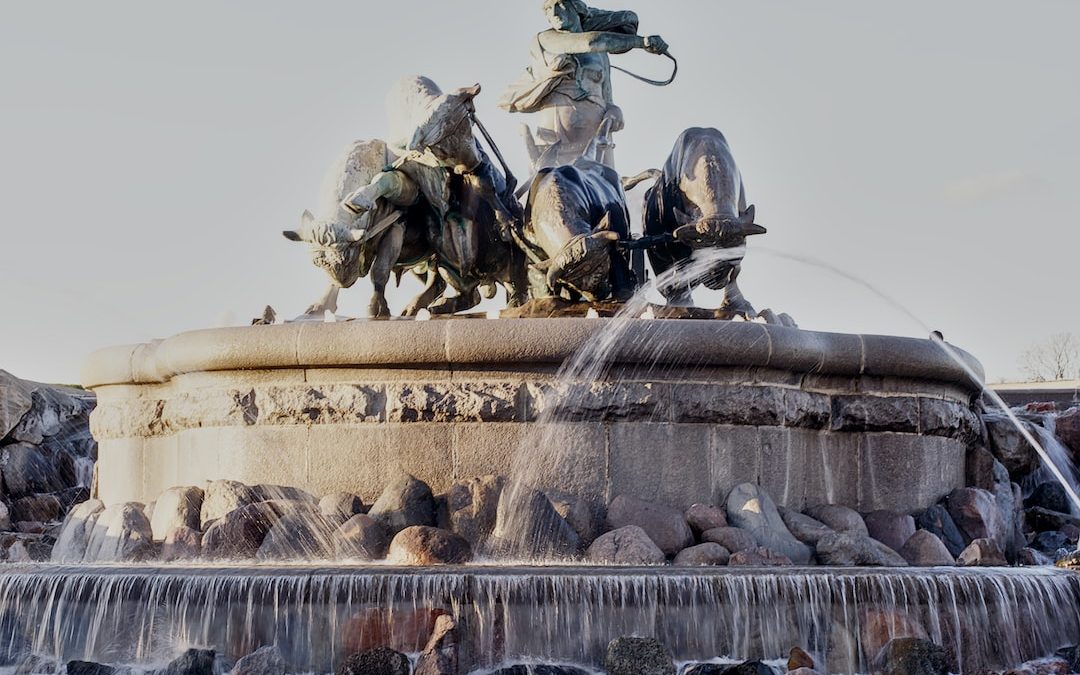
{"x":468,"y":294}
{"x":734,"y":304}
{"x":326,"y":303}
{"x":385,"y":258}
{"x":435,"y":287}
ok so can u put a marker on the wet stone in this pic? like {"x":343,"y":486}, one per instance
{"x":378,"y":661}
{"x":404,"y":503}
{"x":191,"y":662}
{"x":702,"y":555}
{"x":804,"y":528}
{"x":938,"y":417}
{"x":875,"y":413}
{"x":1050,"y":496}
{"x":912,"y":656}
{"x":341,"y":505}
{"x":937,"y":521}
{"x":420,"y":545}
{"x":88,"y":668}
{"x":628,"y":545}
{"x":890,"y":528}
{"x":703,"y":518}
{"x":925,"y":549}
{"x":467,"y":402}
{"x":266,"y":660}
{"x":806,"y":410}
{"x":665,"y":526}
{"x":982,"y":553}
{"x":751,"y":509}
{"x":839,"y":518}
{"x":731,"y":538}
{"x":850,"y":549}
{"x":737,"y":405}
{"x":638,"y":656}
{"x":361,"y":538}
{"x":759,"y":557}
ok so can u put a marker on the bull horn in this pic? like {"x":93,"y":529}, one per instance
{"x":747,"y":216}
{"x":604,"y":235}
{"x":306,"y":221}
{"x":293,"y":235}
{"x":749,"y":229}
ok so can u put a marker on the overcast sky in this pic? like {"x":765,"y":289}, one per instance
{"x":151,"y":154}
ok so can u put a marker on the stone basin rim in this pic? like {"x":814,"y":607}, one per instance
{"x":445,"y":344}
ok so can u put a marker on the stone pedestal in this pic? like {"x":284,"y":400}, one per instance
{"x":872,"y":422}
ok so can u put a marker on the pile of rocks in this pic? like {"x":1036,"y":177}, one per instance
{"x":46,"y":463}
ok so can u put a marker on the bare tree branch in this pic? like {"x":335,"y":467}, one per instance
{"x":1058,"y":358}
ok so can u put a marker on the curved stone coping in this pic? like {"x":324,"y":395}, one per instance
{"x":446,"y":343}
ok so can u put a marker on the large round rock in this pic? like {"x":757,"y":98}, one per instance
{"x":421,"y":545}
{"x":638,"y":656}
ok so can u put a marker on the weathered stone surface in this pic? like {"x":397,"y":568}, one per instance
{"x":1040,"y":520}
{"x":341,"y":506}
{"x":982,"y":552}
{"x":1050,"y":496}
{"x":759,"y":557}
{"x":191,"y":662}
{"x":75,"y":534}
{"x":378,"y":661}
{"x":1045,"y":666}
{"x":851,"y":549}
{"x":405,"y":503}
{"x":240,"y":532}
{"x":578,"y":514}
{"x":182,"y":543}
{"x":223,"y":496}
{"x":804,"y":528}
{"x":88,"y":668}
{"x":744,"y":668}
{"x":464,"y":402}
{"x":283,"y":493}
{"x":878,"y":626}
{"x":638,"y":656}
{"x":985,"y":472}
{"x":605,"y":400}
{"x":839,"y":518}
{"x":629,"y":545}
{"x":15,"y":401}
{"x":702,"y":554}
{"x":977,"y":515}
{"x":912,"y":656}
{"x":1029,"y":557}
{"x":1010,"y":447}
{"x":751,"y":509}
{"x":53,"y":411}
{"x":440,"y":656}
{"x":301,"y":533}
{"x":925,"y":549}
{"x":528,"y":526}
{"x":35,"y":508}
{"x":473,"y":507}
{"x":422,"y":545}
{"x":1067,"y":429}
{"x":730,"y":404}
{"x":539,"y":669}
{"x":703,"y":518}
{"x":938,"y":522}
{"x":798,"y":658}
{"x":361,"y":538}
{"x":266,"y":660}
{"x":1051,"y":542}
{"x":875,"y":413}
{"x":890,"y":528}
{"x":28,"y":470}
{"x":121,"y":533}
{"x":806,"y":410}
{"x":176,"y":507}
{"x":321,"y":404}
{"x":5,"y":517}
{"x":665,"y":526}
{"x":731,"y":538}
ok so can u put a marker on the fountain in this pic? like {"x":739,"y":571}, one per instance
{"x":526,"y":488}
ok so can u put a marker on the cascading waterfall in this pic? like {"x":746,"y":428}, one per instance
{"x":986,"y":619}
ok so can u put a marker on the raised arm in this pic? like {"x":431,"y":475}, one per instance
{"x":592,"y":42}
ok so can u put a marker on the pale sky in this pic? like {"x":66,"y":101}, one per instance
{"x":151,"y":154}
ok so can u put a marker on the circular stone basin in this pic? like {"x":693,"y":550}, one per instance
{"x":688,"y":409}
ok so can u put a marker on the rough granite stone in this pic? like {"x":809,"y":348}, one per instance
{"x":404,"y":503}
{"x":361,"y":538}
{"x":465,"y":402}
{"x":890,"y":528}
{"x":731,"y":538}
{"x":702,"y":555}
{"x":665,"y":526}
{"x":421,"y":545}
{"x":751,"y":509}
{"x":925,"y":549}
{"x":839,"y":518}
{"x":176,"y":507}
{"x":703,"y":518}
{"x":804,"y":528}
{"x":638,"y":656}
{"x":875,"y":413}
{"x":982,"y":552}
{"x":846,"y":549}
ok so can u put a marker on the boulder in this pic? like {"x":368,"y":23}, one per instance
{"x":378,"y":661}
{"x":440,"y":656}
{"x":402,"y":628}
{"x":1067,"y":429}
{"x":361,"y":538}
{"x":975,"y":512}
{"x":473,"y":507}
{"x":878,"y":626}
{"x":221,"y":497}
{"x":182,"y":543}
{"x":1045,"y":666}
{"x":731,"y":538}
{"x":539,"y":669}
{"x":283,"y":493}
{"x":744,"y":668}
{"x":937,"y":521}
{"x":1050,"y":496}
{"x":1010,"y":447}
{"x":341,"y":506}
{"x":798,"y":658}
{"x":191,"y":662}
{"x":803,"y":527}
{"x":924,"y":549}
{"x":666,"y":527}
{"x":29,"y":470}
{"x":266,"y":660}
{"x":406,"y":502}
{"x":15,"y":401}
{"x":890,"y":528}
{"x":302,"y":533}
{"x":911,"y":656}
{"x":422,"y":545}
{"x":638,"y":656}
{"x":751,"y":509}
{"x":528,"y":526}
{"x":176,"y":507}
{"x":982,"y":552}
{"x":54,"y":412}
{"x":703,"y":518}
{"x":1029,"y":557}
{"x":846,"y":549}
{"x":628,"y":545}
{"x":239,"y":533}
{"x":1041,"y":520}
{"x":839,"y":518}
{"x":35,"y":509}
{"x":760,"y":557}
{"x":121,"y":533}
{"x":75,"y":533}
{"x":578,"y":514}
{"x":703,"y":554}
{"x":1050,"y":543}
{"x":89,"y":668}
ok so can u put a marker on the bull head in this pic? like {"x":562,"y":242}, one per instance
{"x":715,"y":231}
{"x":336,"y":248}
{"x":584,"y":263}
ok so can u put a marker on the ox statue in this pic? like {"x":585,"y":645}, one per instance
{"x":574,"y":215}
{"x":699,"y":202}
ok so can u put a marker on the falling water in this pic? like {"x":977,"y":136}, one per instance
{"x":985,"y":619}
